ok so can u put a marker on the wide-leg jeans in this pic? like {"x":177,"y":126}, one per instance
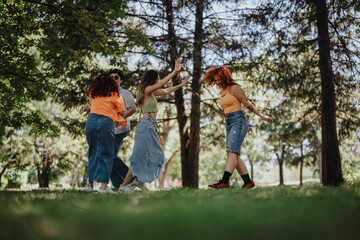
{"x":100,"y":137}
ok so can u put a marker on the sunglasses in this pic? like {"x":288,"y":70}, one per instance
{"x":115,"y":77}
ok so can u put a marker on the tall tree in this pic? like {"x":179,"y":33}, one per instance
{"x":331,"y":162}
{"x":308,"y":36}
{"x":175,"y":47}
{"x":49,"y":47}
{"x":179,"y":96}
{"x":191,"y":163}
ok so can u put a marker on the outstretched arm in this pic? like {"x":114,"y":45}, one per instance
{"x":240,"y":95}
{"x":169,"y":90}
{"x":162,"y":83}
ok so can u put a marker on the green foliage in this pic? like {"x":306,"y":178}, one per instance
{"x":50,"y":46}
{"x":288,"y":56}
{"x":349,"y":149}
{"x":17,"y":151}
{"x":32,"y":176}
{"x":342,"y":6}
{"x":14,"y":179}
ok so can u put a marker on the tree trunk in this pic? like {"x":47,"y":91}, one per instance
{"x":2,"y":173}
{"x":301,"y":163}
{"x":189,"y":144}
{"x":85,"y":176}
{"x":164,"y":134}
{"x":75,"y":171}
{"x":252,"y":169}
{"x":43,"y":170}
{"x":280,"y":160}
{"x":281,"y":172}
{"x":301,"y":171}
{"x":318,"y":151}
{"x":331,"y":162}
{"x":192,"y":161}
{"x":165,"y":168}
{"x":179,"y":97}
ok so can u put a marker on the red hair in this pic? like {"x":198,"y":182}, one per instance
{"x":224,"y":74}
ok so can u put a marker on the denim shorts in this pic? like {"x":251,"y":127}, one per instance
{"x":147,"y":157}
{"x":236,"y":128}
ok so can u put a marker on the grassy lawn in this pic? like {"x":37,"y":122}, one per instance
{"x":310,"y":212}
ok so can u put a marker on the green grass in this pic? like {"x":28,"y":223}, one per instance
{"x":311,"y":212}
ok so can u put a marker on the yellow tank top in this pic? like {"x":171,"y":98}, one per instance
{"x":229,"y":102}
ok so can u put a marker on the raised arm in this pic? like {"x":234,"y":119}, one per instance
{"x":169,"y":90}
{"x":240,"y":95}
{"x":162,"y":83}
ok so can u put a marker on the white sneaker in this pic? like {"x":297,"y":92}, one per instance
{"x":127,"y":188}
{"x":137,"y":183}
{"x":88,"y":188}
{"x":106,"y":190}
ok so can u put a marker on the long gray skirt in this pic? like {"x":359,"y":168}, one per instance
{"x":147,"y":157}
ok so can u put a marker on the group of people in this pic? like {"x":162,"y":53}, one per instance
{"x":108,"y":124}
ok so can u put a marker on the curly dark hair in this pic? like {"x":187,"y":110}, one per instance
{"x":103,"y":86}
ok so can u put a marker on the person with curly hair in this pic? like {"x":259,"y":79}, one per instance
{"x":232,"y":100}
{"x":107,"y":108}
{"x":120,"y":169}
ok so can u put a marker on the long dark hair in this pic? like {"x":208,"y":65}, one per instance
{"x":149,"y":78}
{"x":103,"y":86}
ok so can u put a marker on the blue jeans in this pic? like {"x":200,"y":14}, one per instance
{"x":100,"y":137}
{"x":119,"y":168}
{"x":236,"y":128}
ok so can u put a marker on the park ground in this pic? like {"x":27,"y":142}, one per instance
{"x":287,"y":212}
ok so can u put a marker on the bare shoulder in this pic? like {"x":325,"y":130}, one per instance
{"x":148,"y":90}
{"x":236,"y":89}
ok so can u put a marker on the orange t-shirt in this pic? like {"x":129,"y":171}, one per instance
{"x":109,"y":107}
{"x":229,"y":102}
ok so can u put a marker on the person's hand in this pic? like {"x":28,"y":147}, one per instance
{"x":116,"y":124}
{"x":207,"y":70}
{"x":85,"y":109}
{"x":267,"y":118}
{"x":184,"y":82}
{"x":178,"y":65}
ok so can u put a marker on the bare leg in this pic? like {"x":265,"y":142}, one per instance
{"x":241,"y":167}
{"x":103,"y":185}
{"x":232,"y":159}
{"x":229,"y":169}
{"x":128,"y":178}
